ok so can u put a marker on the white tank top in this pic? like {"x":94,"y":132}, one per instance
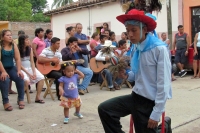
{"x":198,"y":40}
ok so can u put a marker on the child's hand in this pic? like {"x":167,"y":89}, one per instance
{"x":61,"y":92}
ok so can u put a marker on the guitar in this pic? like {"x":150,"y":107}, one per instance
{"x":98,"y":66}
{"x":45,"y":68}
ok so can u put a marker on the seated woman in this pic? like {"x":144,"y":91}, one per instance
{"x":9,"y":71}
{"x":74,"y":52}
{"x":31,"y":74}
{"x":104,"y":55}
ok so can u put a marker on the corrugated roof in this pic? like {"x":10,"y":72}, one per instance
{"x":77,"y":5}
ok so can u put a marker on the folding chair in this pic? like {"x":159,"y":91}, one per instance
{"x":125,"y":81}
{"x":104,"y":83}
{"x":131,"y":130}
{"x":48,"y":82}
{"x":27,"y":93}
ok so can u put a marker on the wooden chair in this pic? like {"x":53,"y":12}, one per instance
{"x":27,"y":93}
{"x":125,"y":81}
{"x":48,"y":82}
{"x":104,"y":83}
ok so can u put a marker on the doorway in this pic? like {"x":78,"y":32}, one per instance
{"x":195,"y":13}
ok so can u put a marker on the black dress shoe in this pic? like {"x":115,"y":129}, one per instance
{"x":168,"y":128}
{"x":168,"y":122}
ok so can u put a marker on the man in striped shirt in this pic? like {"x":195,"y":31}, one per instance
{"x":48,"y":55}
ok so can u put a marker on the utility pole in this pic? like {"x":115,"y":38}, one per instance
{"x":169,"y":21}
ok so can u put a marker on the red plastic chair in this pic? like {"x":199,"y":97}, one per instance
{"x":131,"y":130}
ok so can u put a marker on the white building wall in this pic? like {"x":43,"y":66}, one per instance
{"x":107,"y":13}
{"x":162,"y":16}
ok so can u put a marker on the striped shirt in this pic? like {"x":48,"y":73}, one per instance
{"x":48,"y":53}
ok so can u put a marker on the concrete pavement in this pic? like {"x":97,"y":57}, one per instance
{"x":38,"y":118}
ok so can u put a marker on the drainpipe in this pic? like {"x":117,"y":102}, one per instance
{"x":89,"y":27}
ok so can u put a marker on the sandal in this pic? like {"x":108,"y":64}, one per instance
{"x":39,"y":101}
{"x":12,"y":92}
{"x":173,"y":79}
{"x":9,"y":108}
{"x":21,"y":106}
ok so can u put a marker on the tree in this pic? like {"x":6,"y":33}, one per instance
{"x":38,"y":5}
{"x":39,"y":17}
{"x":59,"y":3}
{"x":18,"y":10}
{"x":169,"y":20}
{"x":3,"y":11}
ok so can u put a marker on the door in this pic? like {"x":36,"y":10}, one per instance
{"x":195,"y":21}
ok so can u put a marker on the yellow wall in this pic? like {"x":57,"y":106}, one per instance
{"x":3,"y":26}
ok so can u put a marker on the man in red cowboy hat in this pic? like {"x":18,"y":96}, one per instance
{"x":151,"y":67}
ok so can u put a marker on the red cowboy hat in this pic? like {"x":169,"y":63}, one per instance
{"x":139,"y":16}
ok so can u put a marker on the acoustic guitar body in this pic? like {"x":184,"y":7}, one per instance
{"x":98,"y":66}
{"x":46,"y":68}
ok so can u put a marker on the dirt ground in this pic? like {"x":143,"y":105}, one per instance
{"x":39,"y":118}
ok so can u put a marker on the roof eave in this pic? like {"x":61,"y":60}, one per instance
{"x":49,"y":13}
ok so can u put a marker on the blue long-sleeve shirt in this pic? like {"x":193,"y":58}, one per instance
{"x":153,"y":79}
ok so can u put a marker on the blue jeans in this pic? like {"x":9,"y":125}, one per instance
{"x":108,"y":77}
{"x":118,"y":81}
{"x":85,"y":57}
{"x":88,"y":75}
{"x":4,"y":85}
{"x":131,"y":76}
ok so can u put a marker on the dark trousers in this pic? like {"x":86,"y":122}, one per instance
{"x":111,"y":110}
{"x":56,"y":75}
{"x":95,"y":77}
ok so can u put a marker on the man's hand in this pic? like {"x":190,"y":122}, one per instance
{"x":186,"y":53}
{"x":3,"y":76}
{"x":107,"y":58}
{"x":20,"y":74}
{"x":77,"y":48}
{"x":55,"y":60}
{"x":152,"y":124}
{"x":73,"y":49}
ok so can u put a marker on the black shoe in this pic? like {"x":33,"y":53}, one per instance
{"x":43,"y":89}
{"x":183,"y":73}
{"x":168,"y":128}
{"x":168,"y":122}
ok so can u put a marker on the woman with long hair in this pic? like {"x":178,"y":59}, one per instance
{"x":9,"y":54}
{"x":31,"y":74}
{"x":47,"y":37}
{"x":71,"y":31}
{"x":196,"y":62}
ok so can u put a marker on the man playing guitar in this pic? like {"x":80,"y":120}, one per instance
{"x":48,"y":55}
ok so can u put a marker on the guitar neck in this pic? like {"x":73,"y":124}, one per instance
{"x":63,"y":62}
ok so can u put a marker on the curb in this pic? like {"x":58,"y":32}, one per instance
{"x":6,"y":129}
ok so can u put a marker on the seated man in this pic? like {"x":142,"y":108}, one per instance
{"x":74,"y":52}
{"x":104,"y":55}
{"x":51,"y":54}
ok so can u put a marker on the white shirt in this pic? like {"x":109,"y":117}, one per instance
{"x":48,"y":53}
{"x":102,"y":57}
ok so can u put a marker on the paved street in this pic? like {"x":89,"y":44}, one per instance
{"x":37,"y":118}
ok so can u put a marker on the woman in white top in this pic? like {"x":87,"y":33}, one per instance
{"x":104,"y":55}
{"x":196,"y":55}
{"x":31,"y":74}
